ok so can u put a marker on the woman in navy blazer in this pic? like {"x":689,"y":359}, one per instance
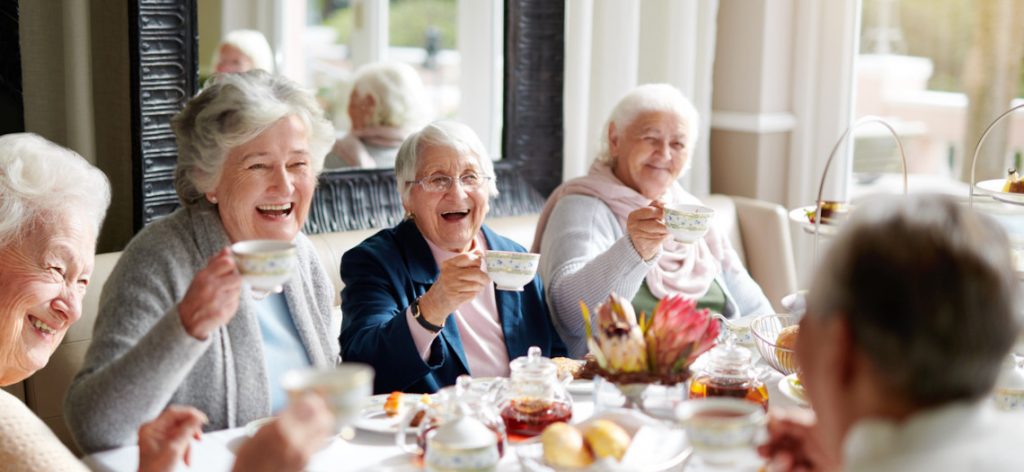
{"x":417,"y":303}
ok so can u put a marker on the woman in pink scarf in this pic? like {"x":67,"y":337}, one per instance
{"x":385,"y":106}
{"x":605,"y":232}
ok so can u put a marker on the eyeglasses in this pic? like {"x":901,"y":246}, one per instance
{"x":437,"y":183}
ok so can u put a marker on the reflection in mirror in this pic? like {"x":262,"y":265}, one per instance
{"x":166,"y":61}
{"x":325,"y":44}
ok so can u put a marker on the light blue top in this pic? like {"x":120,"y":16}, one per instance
{"x":282,"y":347}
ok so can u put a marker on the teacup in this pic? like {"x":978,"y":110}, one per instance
{"x":688,"y":223}
{"x":345,"y":388}
{"x":739,"y":328}
{"x":719,"y":428}
{"x":264,"y":264}
{"x":511,"y":270}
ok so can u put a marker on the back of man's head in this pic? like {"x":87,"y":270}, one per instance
{"x":927,"y":287}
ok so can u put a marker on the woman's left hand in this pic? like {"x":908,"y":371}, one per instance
{"x":165,"y":441}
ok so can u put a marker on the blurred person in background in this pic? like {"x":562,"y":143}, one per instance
{"x":386,"y":105}
{"x":242,"y":51}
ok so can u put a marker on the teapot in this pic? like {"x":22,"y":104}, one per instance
{"x":460,"y":431}
{"x":532,"y":397}
{"x":730,"y":372}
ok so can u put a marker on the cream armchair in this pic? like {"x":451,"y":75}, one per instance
{"x":758,"y":230}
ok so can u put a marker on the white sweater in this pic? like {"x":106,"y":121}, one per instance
{"x":26,"y":444}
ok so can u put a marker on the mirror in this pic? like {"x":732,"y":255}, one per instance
{"x":380,"y":68}
{"x":165,"y":58}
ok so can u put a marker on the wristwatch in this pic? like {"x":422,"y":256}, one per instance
{"x":418,"y":316}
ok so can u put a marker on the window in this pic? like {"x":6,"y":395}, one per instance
{"x":921,"y":63}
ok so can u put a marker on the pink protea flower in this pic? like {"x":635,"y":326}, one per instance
{"x":677,"y":333}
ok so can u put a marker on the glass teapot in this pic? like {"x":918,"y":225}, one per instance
{"x":533,"y":397}
{"x":730,"y":372}
{"x":460,"y":427}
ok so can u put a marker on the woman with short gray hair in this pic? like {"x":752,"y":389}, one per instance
{"x":909,"y":316}
{"x":175,"y":323}
{"x":418,"y":305}
{"x":386,"y":104}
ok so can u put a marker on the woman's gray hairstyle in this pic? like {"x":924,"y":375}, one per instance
{"x":647,"y":98}
{"x":397,"y":91}
{"x":41,"y":181}
{"x":927,"y":287}
{"x":447,"y":133}
{"x":232,"y":110}
{"x":252,"y":43}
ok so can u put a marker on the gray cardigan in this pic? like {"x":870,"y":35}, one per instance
{"x":586,"y":254}
{"x":141,"y":359}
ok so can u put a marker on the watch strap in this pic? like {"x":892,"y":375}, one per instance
{"x":418,"y":316}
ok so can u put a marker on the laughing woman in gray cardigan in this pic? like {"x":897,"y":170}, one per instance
{"x":176,"y":324}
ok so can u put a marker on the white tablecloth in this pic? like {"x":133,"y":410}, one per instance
{"x":366,"y":451}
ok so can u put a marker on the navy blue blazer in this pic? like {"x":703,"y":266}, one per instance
{"x":385,"y":273}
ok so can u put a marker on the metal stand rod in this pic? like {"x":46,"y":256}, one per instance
{"x":977,"y":150}
{"x":821,"y":186}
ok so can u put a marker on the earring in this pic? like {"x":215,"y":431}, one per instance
{"x":212,"y":199}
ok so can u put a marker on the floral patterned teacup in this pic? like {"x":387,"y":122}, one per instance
{"x":264,"y":264}
{"x":511,"y":270}
{"x":688,"y":223}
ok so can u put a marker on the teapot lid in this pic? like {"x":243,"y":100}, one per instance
{"x":729,"y":357}
{"x":533,"y":364}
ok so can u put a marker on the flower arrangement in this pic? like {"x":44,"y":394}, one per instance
{"x":656,"y":348}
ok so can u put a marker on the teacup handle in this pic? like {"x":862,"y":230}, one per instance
{"x":403,"y":425}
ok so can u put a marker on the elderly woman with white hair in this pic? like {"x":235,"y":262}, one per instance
{"x":386,"y":105}
{"x":605,"y":232}
{"x":52,"y":203}
{"x":907,"y":325}
{"x":242,"y":51}
{"x":175,"y":323}
{"x":418,"y":305}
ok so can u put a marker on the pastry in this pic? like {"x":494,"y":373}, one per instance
{"x":564,"y":446}
{"x":607,"y":439}
{"x":393,"y":404}
{"x":785,"y":346}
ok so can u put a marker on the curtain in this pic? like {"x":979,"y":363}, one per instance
{"x":612,"y":46}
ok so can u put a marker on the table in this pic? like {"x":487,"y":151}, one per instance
{"x":366,"y":451}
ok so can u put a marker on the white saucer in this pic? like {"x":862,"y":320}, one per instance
{"x":799,"y":216}
{"x":994,"y":187}
{"x":790,"y":390}
{"x":581,"y":387}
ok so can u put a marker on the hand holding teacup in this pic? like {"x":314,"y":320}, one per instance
{"x":212,"y":297}
{"x":647,"y":230}
{"x":462,"y":277}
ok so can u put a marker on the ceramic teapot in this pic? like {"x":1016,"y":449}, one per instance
{"x":460,"y":431}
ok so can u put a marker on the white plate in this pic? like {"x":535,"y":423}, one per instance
{"x":994,"y":187}
{"x":790,"y":390}
{"x":656,"y":446}
{"x":799,"y":216}
{"x":580,"y":387}
{"x":373,"y":418}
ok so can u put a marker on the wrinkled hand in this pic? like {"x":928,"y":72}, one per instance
{"x":462,"y":277}
{"x":288,"y":443}
{"x":212,"y":298}
{"x":794,"y":444}
{"x":647,"y":230}
{"x":165,"y":441}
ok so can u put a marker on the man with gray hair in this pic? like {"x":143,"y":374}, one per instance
{"x":909,"y":317}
